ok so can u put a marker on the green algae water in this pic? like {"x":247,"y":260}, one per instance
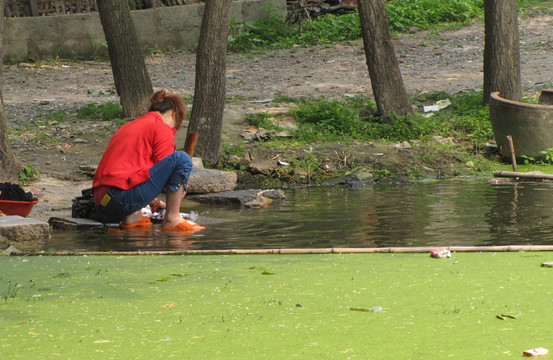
{"x":324,"y":306}
{"x":463,"y":213}
{"x":353,"y":306}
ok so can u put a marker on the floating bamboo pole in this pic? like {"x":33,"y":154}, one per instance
{"x":525,"y":175}
{"x":386,"y":250}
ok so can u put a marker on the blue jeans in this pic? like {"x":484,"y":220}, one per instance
{"x":169,"y":173}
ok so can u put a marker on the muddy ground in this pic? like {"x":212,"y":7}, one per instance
{"x":450,"y":61}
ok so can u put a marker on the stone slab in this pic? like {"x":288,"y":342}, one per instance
{"x":210,"y":181}
{"x":17,"y":229}
{"x":65,"y":224}
{"x":254,"y":198}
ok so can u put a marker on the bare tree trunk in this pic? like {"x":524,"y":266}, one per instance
{"x":501,"y":50}
{"x":132,"y":81}
{"x":206,"y":116}
{"x":389,"y":91}
{"x":9,"y":165}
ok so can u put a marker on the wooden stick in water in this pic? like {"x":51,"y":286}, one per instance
{"x":512,"y":151}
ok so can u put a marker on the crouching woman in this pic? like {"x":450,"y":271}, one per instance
{"x":140,"y":162}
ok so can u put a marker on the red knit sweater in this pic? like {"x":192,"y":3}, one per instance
{"x":132,"y":151}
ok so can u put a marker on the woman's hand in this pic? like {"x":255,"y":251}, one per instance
{"x":157,"y":204}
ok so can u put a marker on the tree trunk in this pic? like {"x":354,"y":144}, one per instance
{"x":9,"y":165}
{"x":130,"y":75}
{"x":389,"y":91}
{"x":501,"y":50}
{"x":206,"y":116}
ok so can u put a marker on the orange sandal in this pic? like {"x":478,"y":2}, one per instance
{"x":185,"y":225}
{"x":140,"y":223}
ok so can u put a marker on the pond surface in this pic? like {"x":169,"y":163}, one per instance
{"x":449,"y":213}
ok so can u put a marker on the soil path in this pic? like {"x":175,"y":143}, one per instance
{"x":448,"y":61}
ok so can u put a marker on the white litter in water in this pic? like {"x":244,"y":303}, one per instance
{"x":159,"y":215}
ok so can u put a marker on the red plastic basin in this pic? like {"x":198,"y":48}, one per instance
{"x":21,"y":208}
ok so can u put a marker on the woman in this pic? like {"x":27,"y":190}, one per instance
{"x":140,"y":162}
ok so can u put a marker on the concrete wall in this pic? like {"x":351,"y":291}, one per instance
{"x":82,"y":34}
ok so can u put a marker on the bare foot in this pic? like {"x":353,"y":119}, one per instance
{"x":132,"y":218}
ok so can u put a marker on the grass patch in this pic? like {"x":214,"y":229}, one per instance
{"x":107,"y":111}
{"x":535,"y":7}
{"x":49,"y":127}
{"x":466,"y":119}
{"x":451,"y":140}
{"x":262,"y":120}
{"x":366,"y":306}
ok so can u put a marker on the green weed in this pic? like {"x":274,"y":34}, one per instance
{"x":232,"y":149}
{"x":262,"y":120}
{"x":108,"y":111}
{"x":95,"y":47}
{"x":28,"y":173}
{"x":546,"y":160}
{"x":262,"y":34}
{"x":283,"y":99}
{"x":54,"y":117}
{"x":535,"y":7}
{"x":424,"y":14}
{"x":11,"y":291}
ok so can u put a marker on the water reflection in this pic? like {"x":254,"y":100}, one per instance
{"x":425,"y":214}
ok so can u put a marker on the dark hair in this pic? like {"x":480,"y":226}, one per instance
{"x":163,"y":102}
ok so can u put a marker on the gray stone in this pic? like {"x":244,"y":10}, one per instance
{"x":248,"y":198}
{"x":11,"y":250}
{"x":197,"y":163}
{"x":65,"y":224}
{"x":4,"y":242}
{"x":363,"y":174}
{"x":18,"y":229}
{"x":350,"y":181}
{"x":208,"y":181}
{"x":263,"y":166}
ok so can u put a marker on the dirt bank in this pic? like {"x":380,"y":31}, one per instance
{"x":450,"y":61}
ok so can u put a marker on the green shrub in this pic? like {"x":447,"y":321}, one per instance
{"x":251,"y":35}
{"x":329,"y":29}
{"x":423,"y":14}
